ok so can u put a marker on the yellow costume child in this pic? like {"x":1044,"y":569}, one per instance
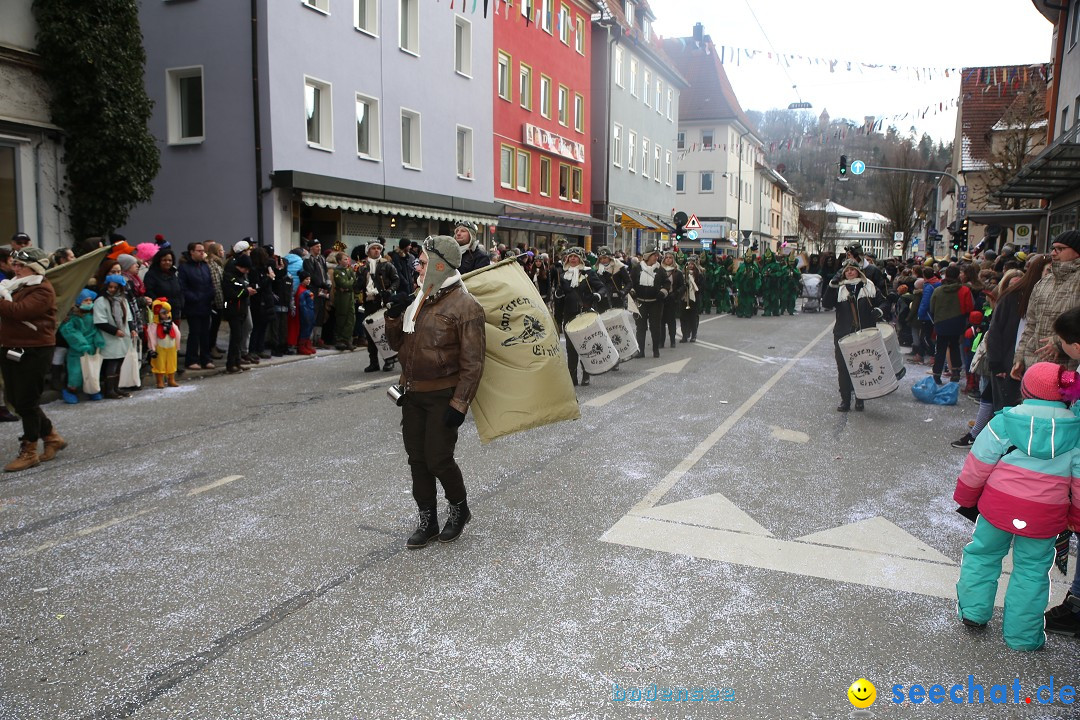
{"x":164,"y":339}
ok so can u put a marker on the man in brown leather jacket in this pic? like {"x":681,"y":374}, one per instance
{"x":439,"y":336}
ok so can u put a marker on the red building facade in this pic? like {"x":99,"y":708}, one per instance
{"x":542,"y":148}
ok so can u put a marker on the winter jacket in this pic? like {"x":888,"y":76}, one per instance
{"x":676,"y":298}
{"x":645,"y":293}
{"x":856,"y":312}
{"x":1023,"y":468}
{"x":197,"y":284}
{"x":618,"y":282}
{"x":294,"y":263}
{"x":115,"y":348}
{"x":1001,"y":337}
{"x":924,"y":304}
{"x":473,"y":257}
{"x":320,"y":274}
{"x":234,"y":288}
{"x":28,"y":319}
{"x":165,"y":284}
{"x":81,"y":335}
{"x":589,"y":294}
{"x":385,"y":282}
{"x":403,"y":263}
{"x":447,"y":347}
{"x":950,"y":306}
{"x":1051,"y":296}
{"x":305,"y":309}
{"x":913,"y":310}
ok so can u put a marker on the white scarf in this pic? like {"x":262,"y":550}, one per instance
{"x":573,"y":274}
{"x":9,"y":286}
{"x":648,"y":275}
{"x":370,"y":289}
{"x":691,"y":286}
{"x":612,"y":268}
{"x":868,"y":289}
{"x":409,"y":325}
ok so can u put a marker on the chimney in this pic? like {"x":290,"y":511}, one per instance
{"x":699,"y":32}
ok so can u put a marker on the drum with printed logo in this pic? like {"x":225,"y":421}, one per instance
{"x":620,"y":329}
{"x":376,"y":327}
{"x":892,"y":343}
{"x":868,"y":364}
{"x":593,"y":344}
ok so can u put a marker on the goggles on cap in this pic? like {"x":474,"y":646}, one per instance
{"x":429,"y":246}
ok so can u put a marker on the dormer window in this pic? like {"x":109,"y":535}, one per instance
{"x":628,"y":10}
{"x":645,"y":27}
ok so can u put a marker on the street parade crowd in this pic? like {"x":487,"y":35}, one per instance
{"x":1006,"y":325}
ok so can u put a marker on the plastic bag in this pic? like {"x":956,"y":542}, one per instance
{"x":91,"y":370}
{"x":928,"y":391}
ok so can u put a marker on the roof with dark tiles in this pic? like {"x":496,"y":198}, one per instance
{"x":710,"y":96}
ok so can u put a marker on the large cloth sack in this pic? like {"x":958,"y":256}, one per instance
{"x":525,"y":383}
{"x":129,"y":370}
{"x":91,"y":373}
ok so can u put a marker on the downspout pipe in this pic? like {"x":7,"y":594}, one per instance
{"x":257,"y":121}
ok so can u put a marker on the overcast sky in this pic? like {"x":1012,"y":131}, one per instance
{"x":914,"y":33}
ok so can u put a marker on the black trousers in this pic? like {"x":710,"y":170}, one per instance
{"x":651,"y":318}
{"x":842,"y":377}
{"x":24,"y":381}
{"x":260,"y":320}
{"x":1006,"y":392}
{"x":430,"y":444}
{"x":947,"y":343}
{"x":198,"y":339}
{"x":689,"y":321}
{"x":236,"y":337}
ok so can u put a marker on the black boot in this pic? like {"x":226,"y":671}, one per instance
{"x":584,"y":379}
{"x":845,"y":404}
{"x":373,"y":367}
{"x":427,"y":528}
{"x":111,"y":388}
{"x":459,"y":515}
{"x":859,"y":405}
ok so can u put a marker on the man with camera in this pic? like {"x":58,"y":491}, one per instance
{"x":439,"y":335}
{"x":27,"y":338}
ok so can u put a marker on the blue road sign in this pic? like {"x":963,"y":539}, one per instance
{"x":692,"y":234}
{"x":857,"y":167}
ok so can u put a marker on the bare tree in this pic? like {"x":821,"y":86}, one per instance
{"x":901,"y":194}
{"x":1014,"y":141}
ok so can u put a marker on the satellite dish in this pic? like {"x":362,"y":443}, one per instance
{"x":681,"y":218}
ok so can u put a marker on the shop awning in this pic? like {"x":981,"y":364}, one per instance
{"x":342,"y":202}
{"x":523,"y":212}
{"x":1055,"y":171}
{"x":637,"y":220}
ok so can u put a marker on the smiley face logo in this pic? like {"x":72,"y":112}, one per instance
{"x":862,"y":693}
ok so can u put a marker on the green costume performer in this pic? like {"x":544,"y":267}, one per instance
{"x":790,"y":283}
{"x":747,"y":284}
{"x":772,"y":275}
{"x":725,"y":283}
{"x":344,"y":283}
{"x":706,"y":266}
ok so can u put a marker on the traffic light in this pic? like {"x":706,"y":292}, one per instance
{"x":843,"y":168}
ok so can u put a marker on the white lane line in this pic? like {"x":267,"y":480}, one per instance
{"x":740,"y":353}
{"x":650,"y":375}
{"x":84,"y":532}
{"x":217,"y":483}
{"x":716,"y":435}
{"x":715,"y":317}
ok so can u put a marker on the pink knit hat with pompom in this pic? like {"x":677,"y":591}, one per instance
{"x":146,"y":251}
{"x":1050,"y":381}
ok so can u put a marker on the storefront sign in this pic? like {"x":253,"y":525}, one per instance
{"x":552,"y":143}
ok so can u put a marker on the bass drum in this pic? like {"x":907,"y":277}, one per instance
{"x":892,"y":344}
{"x":621,"y":331}
{"x":593,"y":344}
{"x":376,"y":327}
{"x":868,"y":364}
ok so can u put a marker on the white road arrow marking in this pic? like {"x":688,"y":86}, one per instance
{"x":650,"y":375}
{"x":387,"y":380}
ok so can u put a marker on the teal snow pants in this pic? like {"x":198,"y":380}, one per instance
{"x":1029,"y":585}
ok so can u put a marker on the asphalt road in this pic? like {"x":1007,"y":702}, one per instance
{"x":234,"y":549}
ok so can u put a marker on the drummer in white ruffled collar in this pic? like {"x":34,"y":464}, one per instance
{"x":579,"y":290}
{"x":615,"y":275}
{"x":855,"y":299}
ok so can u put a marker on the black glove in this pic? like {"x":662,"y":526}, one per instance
{"x":877,"y":314}
{"x":397,"y":308}
{"x":453,"y":417}
{"x":152,"y":354}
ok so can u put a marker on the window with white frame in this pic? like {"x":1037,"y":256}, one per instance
{"x":656,"y":164}
{"x":409,"y":26}
{"x":616,"y":145}
{"x":546,"y":15}
{"x":184,"y":105}
{"x":618,"y":65}
{"x":680,"y":182}
{"x":565,"y":18}
{"x":579,"y":36}
{"x":524,"y":162}
{"x":368,"y":140}
{"x":322,"y":6}
{"x":564,"y":105}
{"x":647,"y":87}
{"x":318,"y":113}
{"x":525,"y":86}
{"x":670,"y":94}
{"x":464,"y":152}
{"x":545,"y":96}
{"x":646,"y":28}
{"x":667,"y":168}
{"x":545,"y":176}
{"x":645,"y":158}
{"x":707,"y":138}
{"x":706,"y":181}
{"x":579,"y":112}
{"x":366,"y":16}
{"x":463,"y":46}
{"x":504,"y":77}
{"x":631,"y":151}
{"x":506,"y":167}
{"x":680,"y":141}
{"x":628,"y":11}
{"x":659,"y":95}
{"x":410,"y":139}
{"x":633,"y":76}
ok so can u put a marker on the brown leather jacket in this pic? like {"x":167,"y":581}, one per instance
{"x":446,"y":350}
{"x":29,"y":318}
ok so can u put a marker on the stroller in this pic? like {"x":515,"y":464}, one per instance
{"x":811,"y":286}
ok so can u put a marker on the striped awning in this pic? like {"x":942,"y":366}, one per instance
{"x":352,"y":204}
{"x":637,"y":220}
